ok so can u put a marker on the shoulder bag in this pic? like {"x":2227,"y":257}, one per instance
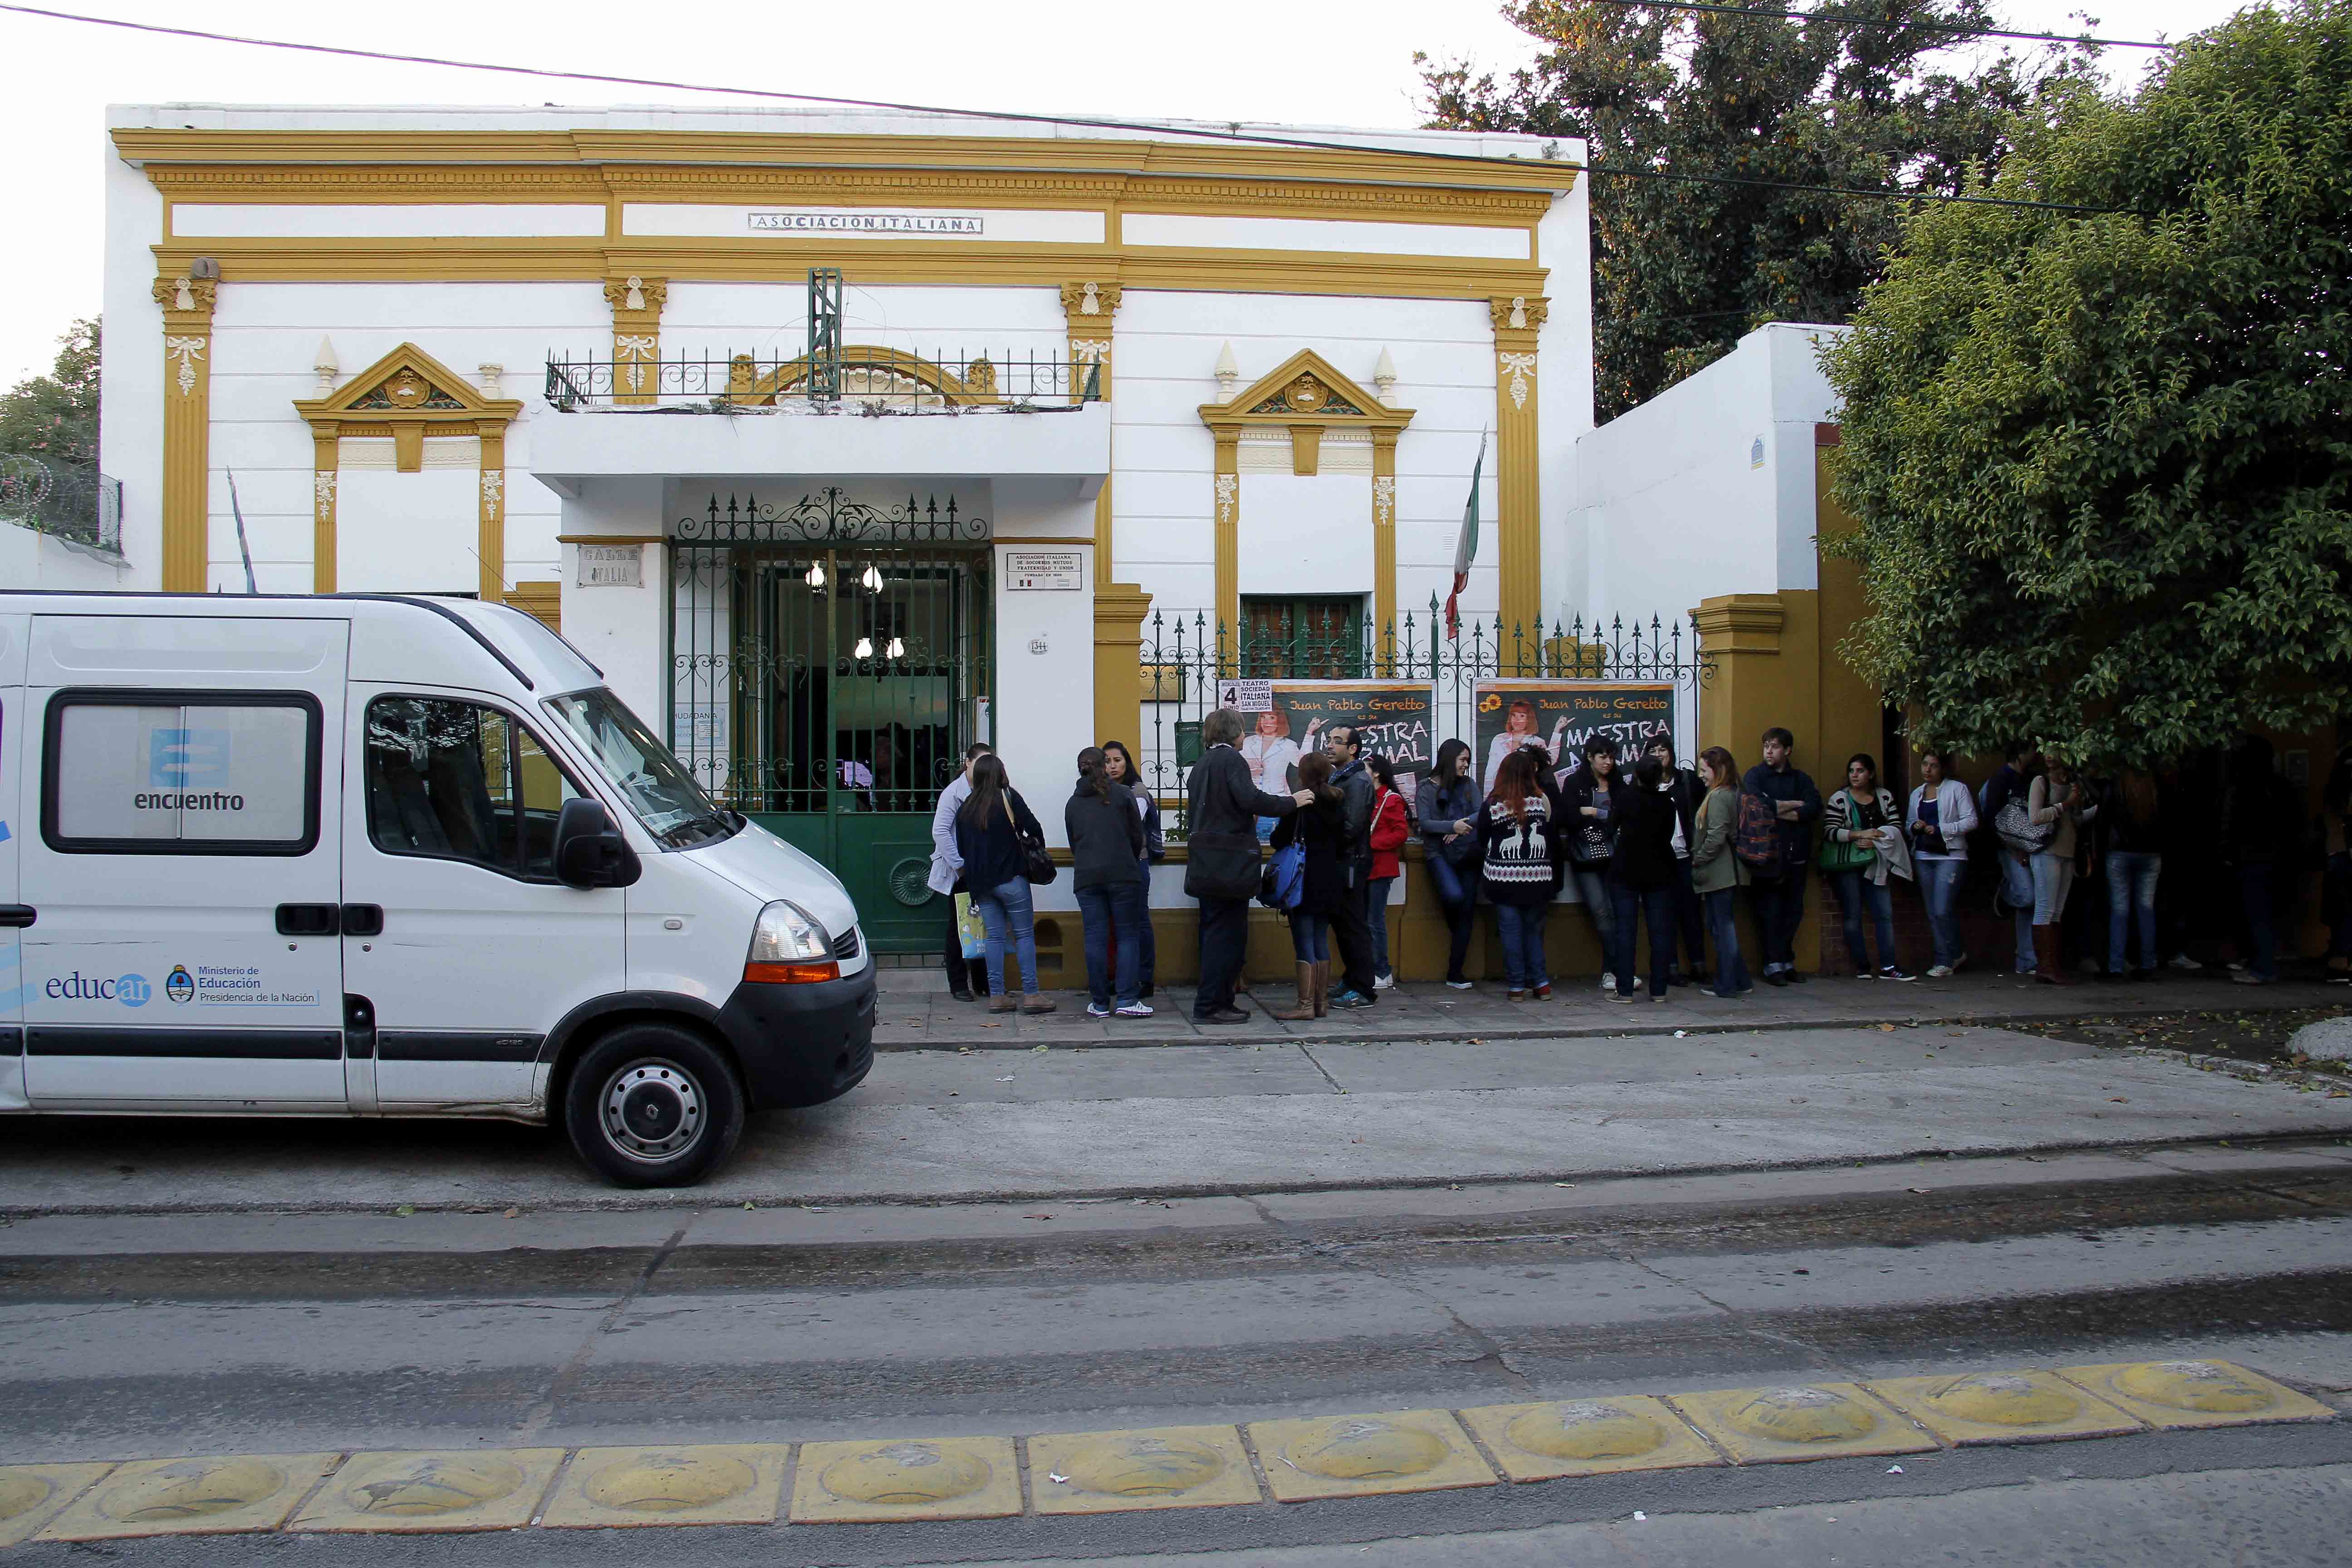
{"x":2015,"y":827}
{"x":1845,"y":854}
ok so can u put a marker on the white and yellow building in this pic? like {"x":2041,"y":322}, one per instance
{"x":535,"y":355}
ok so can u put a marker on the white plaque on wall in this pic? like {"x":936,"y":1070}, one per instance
{"x":612,"y":566}
{"x":1052,"y":570}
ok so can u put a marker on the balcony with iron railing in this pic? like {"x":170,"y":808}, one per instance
{"x":67,"y":500}
{"x":862,"y":381}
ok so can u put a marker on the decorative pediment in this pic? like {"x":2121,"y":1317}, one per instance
{"x":890,"y":377}
{"x":1305,"y":390}
{"x":407,"y":385}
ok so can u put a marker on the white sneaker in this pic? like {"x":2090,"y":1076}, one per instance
{"x":1383,"y":981}
{"x":1459,"y":985}
{"x":2237,"y":966}
{"x":2182,"y":960}
{"x":1136,"y":1010}
{"x":1940,"y":971}
{"x":1609,"y":986}
{"x":1097,"y":1010}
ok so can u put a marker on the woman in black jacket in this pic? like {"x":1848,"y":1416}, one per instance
{"x":1321,"y":833}
{"x":1589,"y":798}
{"x":1448,"y":809}
{"x":989,"y":830}
{"x":1642,"y":877}
{"x":1106,"y":867}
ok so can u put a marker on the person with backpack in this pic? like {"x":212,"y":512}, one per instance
{"x":1107,"y":872}
{"x":1862,"y":846}
{"x":2008,"y":782}
{"x":993,"y":830}
{"x":1448,"y":809}
{"x":1522,"y":870}
{"x":1320,"y":831}
{"x":1641,"y":878}
{"x":1392,"y":825}
{"x":1777,"y":884}
{"x":1717,"y":872}
{"x":1941,"y":815}
{"x":1588,"y":810}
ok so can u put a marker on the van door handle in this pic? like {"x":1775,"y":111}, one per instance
{"x":362,"y":920}
{"x":308,"y":920}
{"x":17,"y":916}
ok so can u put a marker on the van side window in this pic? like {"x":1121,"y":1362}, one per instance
{"x":170,"y":772}
{"x":462,"y":781}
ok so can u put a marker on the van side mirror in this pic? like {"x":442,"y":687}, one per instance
{"x":590,"y":851}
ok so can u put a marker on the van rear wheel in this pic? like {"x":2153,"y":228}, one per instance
{"x":653,"y":1106}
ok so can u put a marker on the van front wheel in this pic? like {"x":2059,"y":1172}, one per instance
{"x":653,"y":1106}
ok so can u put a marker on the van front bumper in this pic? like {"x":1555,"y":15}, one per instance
{"x":802,"y":1045}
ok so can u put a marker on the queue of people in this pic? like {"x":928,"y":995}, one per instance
{"x":1650,"y":846}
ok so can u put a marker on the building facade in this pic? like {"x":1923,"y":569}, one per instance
{"x":838,"y":440}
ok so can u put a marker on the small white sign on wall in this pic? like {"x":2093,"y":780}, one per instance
{"x":1246,"y":696}
{"x":1063,"y":571}
{"x":612,"y":566}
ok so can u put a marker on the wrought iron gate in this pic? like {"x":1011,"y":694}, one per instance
{"x":829,"y":662}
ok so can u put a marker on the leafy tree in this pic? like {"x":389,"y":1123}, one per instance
{"x":54,"y":417}
{"x":1682,"y":268}
{"x":2100,"y":460}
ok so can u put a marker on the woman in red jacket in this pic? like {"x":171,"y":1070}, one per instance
{"x":1392,"y":825}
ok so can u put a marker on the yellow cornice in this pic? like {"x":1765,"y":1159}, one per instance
{"x":1173,"y":160}
{"x":872,"y":262}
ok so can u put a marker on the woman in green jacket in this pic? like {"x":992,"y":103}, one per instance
{"x":1716,"y":871}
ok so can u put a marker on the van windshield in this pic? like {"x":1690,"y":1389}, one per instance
{"x":668,"y":801}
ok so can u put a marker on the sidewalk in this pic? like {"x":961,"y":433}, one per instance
{"x":917,"y":1014}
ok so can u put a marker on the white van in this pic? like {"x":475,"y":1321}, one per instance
{"x":380,"y":855}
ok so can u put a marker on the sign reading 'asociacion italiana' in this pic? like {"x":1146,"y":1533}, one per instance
{"x":930,"y":224}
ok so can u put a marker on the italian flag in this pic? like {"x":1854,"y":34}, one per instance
{"x":1465,"y":547}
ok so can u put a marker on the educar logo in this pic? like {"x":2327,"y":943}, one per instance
{"x":131,"y":990}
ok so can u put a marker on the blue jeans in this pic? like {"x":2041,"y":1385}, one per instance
{"x":2131,"y":887}
{"x":1854,"y":889}
{"x":2261,"y":939}
{"x":1592,"y":887}
{"x":2054,"y":879}
{"x":1939,"y":889}
{"x":1521,"y":927}
{"x":1007,"y":915}
{"x":1117,"y":906}
{"x":1146,"y":945}
{"x":1457,"y":895}
{"x":1376,"y":919}
{"x":1723,"y":929}
{"x":1630,"y":909}
{"x":1310,"y":937}
{"x":2016,"y":892}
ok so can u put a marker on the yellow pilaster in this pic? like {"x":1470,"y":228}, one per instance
{"x":1119,"y":609}
{"x":1088,"y":308}
{"x":1228,"y":493}
{"x":1384,"y":571}
{"x":636,"y":303}
{"x":187,"y":429}
{"x":326,"y":447}
{"x":1519,"y":533}
{"x":493,"y":528}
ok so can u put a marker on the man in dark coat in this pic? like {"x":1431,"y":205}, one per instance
{"x":1351,"y":927}
{"x":1779,"y":898}
{"x":1222,"y":860}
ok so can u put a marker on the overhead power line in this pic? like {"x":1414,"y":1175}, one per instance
{"x":1954,"y":28}
{"x":1251,"y":138}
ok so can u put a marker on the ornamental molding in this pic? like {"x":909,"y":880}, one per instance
{"x":1384,"y":499}
{"x":494,"y":491}
{"x":1305,"y":392}
{"x":1095,"y":302}
{"x":1519,"y":312}
{"x":1522,"y":367}
{"x":1090,"y":351}
{"x":407,"y":386}
{"x":188,"y":296}
{"x":1229,"y":489}
{"x":637,"y":292}
{"x":322,"y":493}
{"x":186,"y":351}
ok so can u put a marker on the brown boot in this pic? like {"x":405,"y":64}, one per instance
{"x":2046,"y":967}
{"x":1323,"y":989}
{"x":1038,"y":1002}
{"x":1305,"y":1009}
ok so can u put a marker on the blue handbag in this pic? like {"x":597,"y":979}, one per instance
{"x":1285,"y":881}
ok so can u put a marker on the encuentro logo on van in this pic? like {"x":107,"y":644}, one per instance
{"x":130,"y":990}
{"x":177,"y":761}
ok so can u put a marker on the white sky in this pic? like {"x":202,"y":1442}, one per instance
{"x":1247,"y":59}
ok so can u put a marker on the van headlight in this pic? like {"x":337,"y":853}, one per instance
{"x":789,"y":947}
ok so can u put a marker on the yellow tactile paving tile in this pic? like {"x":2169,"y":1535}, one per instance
{"x":910,"y":1477}
{"x":449,"y":1490}
{"x":2026,"y":1407}
{"x":32,"y":1495}
{"x":1163,"y":1467}
{"x":2177,"y":1393}
{"x":712,"y":1484}
{"x":1586,"y":1438}
{"x":1800,"y":1421}
{"x":190,"y":1497}
{"x":1364,"y":1456}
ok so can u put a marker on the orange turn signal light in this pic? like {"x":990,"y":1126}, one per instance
{"x":789,"y":974}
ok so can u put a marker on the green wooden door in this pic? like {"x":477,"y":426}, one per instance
{"x":828,"y":684}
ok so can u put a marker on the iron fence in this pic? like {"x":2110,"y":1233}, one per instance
{"x":863,"y":380}
{"x":1412,"y":688}
{"x":69,"y":500}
